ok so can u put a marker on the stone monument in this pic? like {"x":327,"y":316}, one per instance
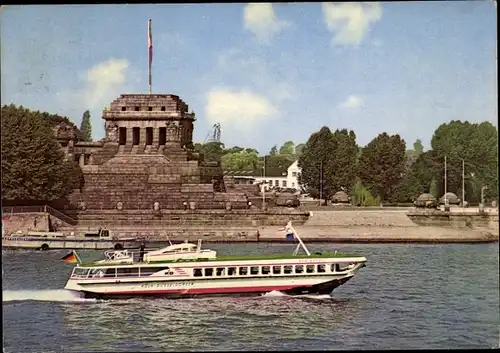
{"x":147,"y":156}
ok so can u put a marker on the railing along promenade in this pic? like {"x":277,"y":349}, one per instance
{"x":38,"y":209}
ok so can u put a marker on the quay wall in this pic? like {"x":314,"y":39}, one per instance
{"x":345,"y":225}
{"x":455,"y":219}
{"x":26,"y":222}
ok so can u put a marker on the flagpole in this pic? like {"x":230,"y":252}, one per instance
{"x":445,"y":183}
{"x":264,"y":185}
{"x":150,"y":54}
{"x":463,"y":183}
{"x":77,"y":257}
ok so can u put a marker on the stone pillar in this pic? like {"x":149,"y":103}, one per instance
{"x":91,"y":159}
{"x":171,"y":134}
{"x":82,"y":160}
{"x":142,"y":136}
{"x":130,"y":136}
{"x":190,"y":132}
{"x":156,"y":136}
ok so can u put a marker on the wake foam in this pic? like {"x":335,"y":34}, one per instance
{"x":50,"y":295}
{"x":275,"y":293}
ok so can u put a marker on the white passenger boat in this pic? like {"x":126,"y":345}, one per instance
{"x":187,"y":270}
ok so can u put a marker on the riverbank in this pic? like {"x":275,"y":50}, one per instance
{"x":326,"y":226}
{"x":384,"y":235}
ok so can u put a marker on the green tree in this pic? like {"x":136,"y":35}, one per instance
{"x":234,"y":149}
{"x":273,"y":151}
{"x":278,"y":161}
{"x":243,"y":160}
{"x":343,"y":159}
{"x":211,"y":151}
{"x":361,"y":196}
{"x":298,"y":150}
{"x":425,"y":172}
{"x":315,"y":175}
{"x":477,"y":145}
{"x":33,"y":164}
{"x":382,"y":164}
{"x":433,"y":189}
{"x":86,"y":127}
{"x":251,"y":150}
{"x":288,"y":148}
{"x":418,"y":147}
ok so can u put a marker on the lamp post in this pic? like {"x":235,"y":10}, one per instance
{"x":482,"y":194}
{"x":264,"y":185}
{"x":481,"y":205}
{"x":321,"y":184}
{"x":463,"y":183}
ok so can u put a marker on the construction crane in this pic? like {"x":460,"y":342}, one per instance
{"x":214,"y":134}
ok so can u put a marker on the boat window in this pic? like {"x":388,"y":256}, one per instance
{"x":197,"y":272}
{"x":98,"y":272}
{"x":80,"y":272}
{"x":310,"y":268}
{"x":276,"y":270}
{"x":125,"y":272}
{"x":243,"y":271}
{"x":343,"y":266}
{"x":321,"y":269}
{"x":266,"y":270}
{"x":333,"y":267}
{"x":147,"y":271}
{"x":231,"y":271}
{"x":110,"y":272}
{"x":299,"y":268}
{"x":209,"y":271}
{"x":287,"y":269}
{"x":254,"y":270}
{"x":220,"y":271}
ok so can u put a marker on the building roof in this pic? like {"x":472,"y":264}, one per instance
{"x":286,"y":164}
{"x":270,"y":173}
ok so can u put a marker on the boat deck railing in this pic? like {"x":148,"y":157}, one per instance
{"x":117,"y":255}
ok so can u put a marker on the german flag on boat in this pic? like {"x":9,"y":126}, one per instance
{"x":71,"y":258}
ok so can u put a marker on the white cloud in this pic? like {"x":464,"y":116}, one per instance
{"x":237,"y":110}
{"x":260,"y":19}
{"x":97,"y":88}
{"x":103,"y":83}
{"x":352,"y":102}
{"x":350,"y":22}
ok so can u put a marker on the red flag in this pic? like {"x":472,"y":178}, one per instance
{"x":150,"y":48}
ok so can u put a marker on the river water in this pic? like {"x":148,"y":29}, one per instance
{"x":408,"y":297}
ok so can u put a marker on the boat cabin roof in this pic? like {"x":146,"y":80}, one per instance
{"x":312,"y":257}
{"x":183,"y":246}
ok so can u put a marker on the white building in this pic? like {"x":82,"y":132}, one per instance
{"x":292,"y":178}
{"x":272,"y":178}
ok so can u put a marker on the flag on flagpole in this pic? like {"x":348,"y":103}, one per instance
{"x":150,"y":49}
{"x":71,"y":258}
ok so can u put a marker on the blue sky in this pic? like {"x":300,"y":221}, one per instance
{"x":267,"y":73}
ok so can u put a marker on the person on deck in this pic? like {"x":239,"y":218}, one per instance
{"x":142,"y":250}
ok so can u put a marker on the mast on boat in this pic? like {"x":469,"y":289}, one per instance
{"x":301,"y":243}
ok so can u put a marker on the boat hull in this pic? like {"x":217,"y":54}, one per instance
{"x":291,"y":288}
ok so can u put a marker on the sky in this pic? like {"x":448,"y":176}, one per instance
{"x":267,"y":73}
